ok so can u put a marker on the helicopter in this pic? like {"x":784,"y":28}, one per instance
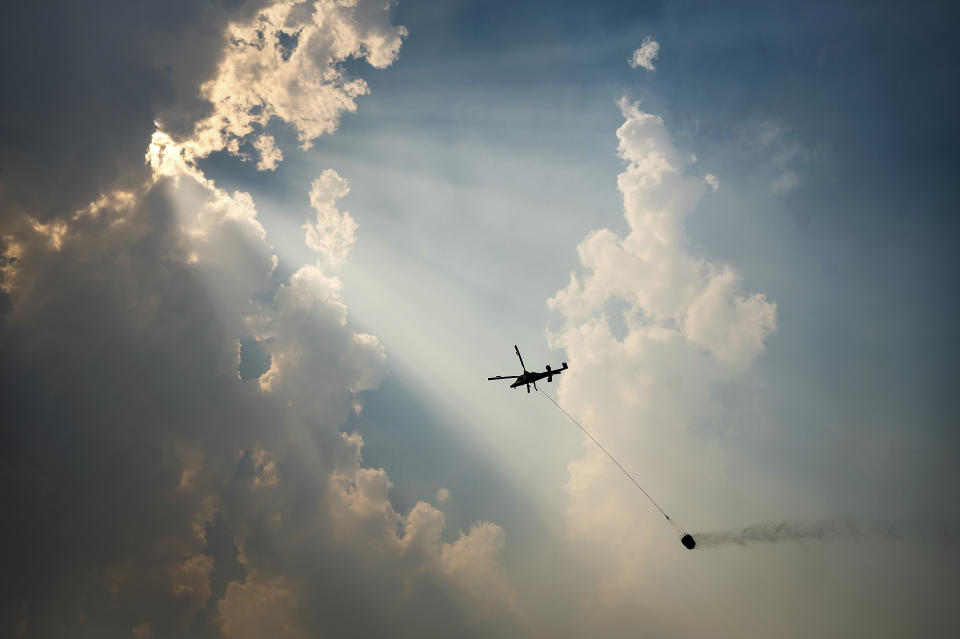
{"x":529,"y":377}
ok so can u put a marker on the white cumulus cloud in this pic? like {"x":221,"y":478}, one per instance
{"x":333,"y":232}
{"x":689,"y":326}
{"x":644,"y":56}
{"x":285,"y":62}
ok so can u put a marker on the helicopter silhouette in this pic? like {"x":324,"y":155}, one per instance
{"x":530,"y":377}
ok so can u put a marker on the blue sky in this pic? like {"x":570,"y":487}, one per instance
{"x":786,"y":353}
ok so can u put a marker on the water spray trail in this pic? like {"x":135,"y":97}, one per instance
{"x":842,"y":528}
{"x":847,"y":528}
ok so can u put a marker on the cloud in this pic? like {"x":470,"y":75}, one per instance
{"x":142,"y":631}
{"x":213,"y":75}
{"x":191,"y":578}
{"x":119,"y":331}
{"x":129,"y":435}
{"x":167,"y":282}
{"x":333,"y":233}
{"x":649,"y":268}
{"x":784,"y":154}
{"x":689,"y":326}
{"x":712,"y":180}
{"x":785,"y":182}
{"x":252,"y":610}
{"x":731,"y":326}
{"x":644,"y":56}
{"x":285,"y":62}
{"x":75,"y":115}
{"x":270,"y":155}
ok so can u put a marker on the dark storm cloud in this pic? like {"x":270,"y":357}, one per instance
{"x":147,"y":486}
{"x":153,"y":481}
{"x":83,"y":83}
{"x":110,"y":364}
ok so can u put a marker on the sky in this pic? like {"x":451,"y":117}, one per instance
{"x":258,"y":258}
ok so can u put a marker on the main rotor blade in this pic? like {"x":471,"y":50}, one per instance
{"x":521,"y":359}
{"x":504,"y":377}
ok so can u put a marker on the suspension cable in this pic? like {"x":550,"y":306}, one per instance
{"x":600,"y":446}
